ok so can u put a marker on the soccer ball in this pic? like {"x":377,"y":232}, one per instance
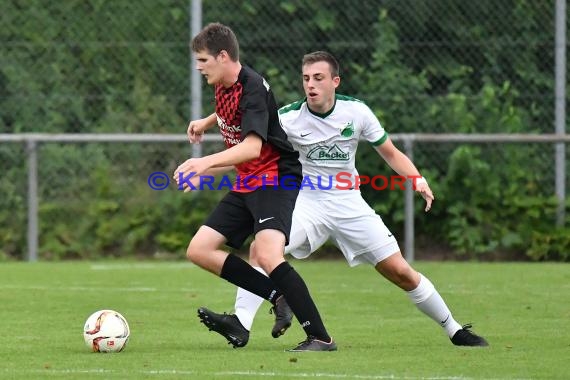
{"x":106,"y":331}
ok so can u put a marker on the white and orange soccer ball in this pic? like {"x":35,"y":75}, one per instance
{"x":106,"y":331}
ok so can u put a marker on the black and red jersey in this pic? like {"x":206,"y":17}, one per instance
{"x":248,"y":106}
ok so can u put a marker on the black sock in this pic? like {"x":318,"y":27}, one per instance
{"x":240,"y":273}
{"x":297,"y":295}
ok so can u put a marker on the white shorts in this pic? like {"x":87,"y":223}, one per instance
{"x":348,"y":221}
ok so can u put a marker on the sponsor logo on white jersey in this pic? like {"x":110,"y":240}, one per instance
{"x":328,"y":153}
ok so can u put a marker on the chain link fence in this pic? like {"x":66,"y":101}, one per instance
{"x":94,"y":198}
{"x":101,"y":66}
{"x":119,"y":66}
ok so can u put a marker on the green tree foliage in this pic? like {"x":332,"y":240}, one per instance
{"x":96,"y":66}
{"x":492,"y":199}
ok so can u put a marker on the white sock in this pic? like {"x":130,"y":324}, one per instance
{"x":428,"y":300}
{"x":247,"y":304}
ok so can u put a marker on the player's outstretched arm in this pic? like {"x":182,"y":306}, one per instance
{"x":402,"y":165}
{"x":247,"y":150}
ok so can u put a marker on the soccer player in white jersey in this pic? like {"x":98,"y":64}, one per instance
{"x":325,"y":128}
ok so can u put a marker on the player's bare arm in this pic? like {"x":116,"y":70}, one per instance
{"x":402,"y":165}
{"x":247,"y":150}
{"x":196,"y":128}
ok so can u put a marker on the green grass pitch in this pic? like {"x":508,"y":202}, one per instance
{"x":523,"y":310}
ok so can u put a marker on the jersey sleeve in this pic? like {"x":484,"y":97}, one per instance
{"x":372,"y":130}
{"x":255,"y":109}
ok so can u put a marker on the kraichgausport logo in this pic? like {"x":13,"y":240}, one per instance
{"x":339,"y":181}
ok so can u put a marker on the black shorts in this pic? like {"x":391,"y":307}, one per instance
{"x":238,"y":215}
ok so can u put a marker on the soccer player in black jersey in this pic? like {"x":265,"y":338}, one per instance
{"x":258,"y":204}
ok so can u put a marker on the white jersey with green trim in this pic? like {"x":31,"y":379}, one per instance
{"x":327,"y":143}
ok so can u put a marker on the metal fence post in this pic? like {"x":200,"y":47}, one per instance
{"x":560,"y":109}
{"x":195,"y":76}
{"x":32,"y":153}
{"x":409,"y":208}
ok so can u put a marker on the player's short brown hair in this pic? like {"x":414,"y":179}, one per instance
{"x":214,"y":38}
{"x":319,"y":56}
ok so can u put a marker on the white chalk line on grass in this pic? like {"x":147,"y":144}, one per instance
{"x":141,"y":289}
{"x":249,"y":374}
{"x":80,"y":288}
{"x":123,"y":266}
{"x":86,"y":289}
